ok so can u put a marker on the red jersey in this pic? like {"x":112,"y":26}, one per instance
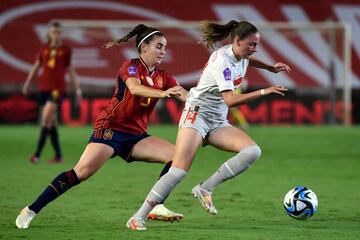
{"x":54,"y":63}
{"x":126,"y":112}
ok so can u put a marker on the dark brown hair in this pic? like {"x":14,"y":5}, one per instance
{"x":213,"y":32}
{"x":142,"y":36}
{"x":55,"y":24}
{"x":51,"y":24}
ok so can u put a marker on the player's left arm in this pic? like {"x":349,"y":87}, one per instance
{"x":277,"y":67}
{"x":75,"y":84}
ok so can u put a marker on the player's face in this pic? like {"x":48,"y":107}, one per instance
{"x":54,"y":33}
{"x":244,"y":48}
{"x":155,"y":50}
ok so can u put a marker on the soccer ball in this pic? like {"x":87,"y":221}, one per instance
{"x":300,"y":203}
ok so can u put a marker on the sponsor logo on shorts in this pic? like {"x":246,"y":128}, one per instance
{"x":227,"y":74}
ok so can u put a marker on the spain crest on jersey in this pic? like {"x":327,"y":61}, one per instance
{"x":108,"y":134}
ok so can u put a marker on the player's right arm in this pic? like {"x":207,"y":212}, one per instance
{"x":32,"y":74}
{"x":136,"y":89}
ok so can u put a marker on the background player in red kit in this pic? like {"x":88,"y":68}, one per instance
{"x":122,"y":128}
{"x":54,"y":59}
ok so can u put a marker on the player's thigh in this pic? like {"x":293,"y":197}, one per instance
{"x":230,"y":139}
{"x":48,"y":114}
{"x":153,"y":149}
{"x":93,"y":157}
{"x":187,"y":142}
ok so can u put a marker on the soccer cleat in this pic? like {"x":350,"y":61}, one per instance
{"x":55,"y":160}
{"x":34,"y":159}
{"x":25,"y":217}
{"x":136,"y":223}
{"x":160,"y":212}
{"x":204,"y":197}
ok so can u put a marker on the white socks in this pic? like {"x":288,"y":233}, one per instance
{"x":160,"y":190}
{"x":233,"y":167}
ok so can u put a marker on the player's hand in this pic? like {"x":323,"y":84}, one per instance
{"x":278,"y":89}
{"x":172,"y":92}
{"x":279,"y":67}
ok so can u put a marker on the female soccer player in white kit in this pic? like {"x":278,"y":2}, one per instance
{"x":204,"y":118}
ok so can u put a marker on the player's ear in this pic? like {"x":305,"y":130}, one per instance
{"x":143,"y":48}
{"x":237,"y":41}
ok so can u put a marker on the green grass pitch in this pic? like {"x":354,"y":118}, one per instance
{"x":326,"y":159}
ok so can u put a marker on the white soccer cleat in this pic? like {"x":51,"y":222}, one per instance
{"x":204,"y":197}
{"x":136,"y":223}
{"x":25,"y":217}
{"x":160,"y":212}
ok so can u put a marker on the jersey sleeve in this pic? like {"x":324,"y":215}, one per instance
{"x":220,"y":69}
{"x":170,"y":81}
{"x":128,"y":70}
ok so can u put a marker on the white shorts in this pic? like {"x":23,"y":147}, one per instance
{"x":204,"y":122}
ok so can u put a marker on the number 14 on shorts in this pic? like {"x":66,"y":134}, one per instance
{"x":192,"y":114}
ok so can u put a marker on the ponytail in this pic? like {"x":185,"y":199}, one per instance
{"x":213,"y":32}
{"x":143,"y":34}
{"x":126,"y":38}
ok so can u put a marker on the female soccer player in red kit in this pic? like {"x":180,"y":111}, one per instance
{"x":121,"y":129}
{"x":54,"y":59}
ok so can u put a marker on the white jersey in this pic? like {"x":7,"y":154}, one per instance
{"x":222,"y":72}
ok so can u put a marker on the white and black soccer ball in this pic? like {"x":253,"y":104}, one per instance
{"x":300,"y":203}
